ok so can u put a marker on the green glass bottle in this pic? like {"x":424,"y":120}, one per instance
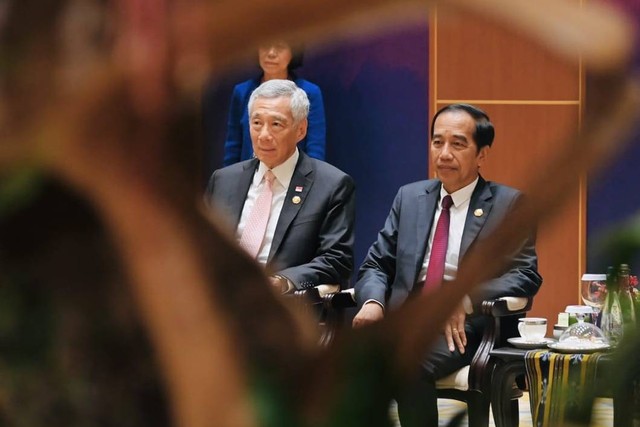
{"x":626,"y":300}
{"x":612,"y":323}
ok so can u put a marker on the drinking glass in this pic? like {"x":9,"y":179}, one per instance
{"x":593,"y":289}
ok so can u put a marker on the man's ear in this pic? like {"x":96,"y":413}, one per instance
{"x":483,"y":154}
{"x":302,"y":129}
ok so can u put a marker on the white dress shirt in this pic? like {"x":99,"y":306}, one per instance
{"x":283,"y":174}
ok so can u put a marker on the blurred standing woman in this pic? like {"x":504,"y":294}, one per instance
{"x":277,"y":60}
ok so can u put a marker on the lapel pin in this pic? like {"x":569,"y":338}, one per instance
{"x":478,"y":212}
{"x":296,"y":200}
{"x":299,"y":189}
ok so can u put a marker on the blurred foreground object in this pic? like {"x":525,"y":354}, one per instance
{"x":102,"y":96}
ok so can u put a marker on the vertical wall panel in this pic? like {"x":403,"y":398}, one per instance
{"x":534,"y":100}
{"x":490,"y":62}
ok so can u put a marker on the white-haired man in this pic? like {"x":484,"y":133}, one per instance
{"x":309,"y":231}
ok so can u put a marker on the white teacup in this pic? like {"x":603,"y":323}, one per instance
{"x":532,"y":329}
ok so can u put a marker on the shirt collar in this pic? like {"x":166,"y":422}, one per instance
{"x":461,"y":196}
{"x":283,"y":172}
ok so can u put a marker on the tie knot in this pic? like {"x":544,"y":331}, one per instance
{"x":447,"y":201}
{"x":269,"y":177}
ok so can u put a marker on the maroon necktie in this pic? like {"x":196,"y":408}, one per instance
{"x":435,"y":270}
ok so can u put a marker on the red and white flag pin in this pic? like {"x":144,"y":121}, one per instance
{"x":299,"y":189}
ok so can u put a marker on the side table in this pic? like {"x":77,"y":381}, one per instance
{"x":509,"y":363}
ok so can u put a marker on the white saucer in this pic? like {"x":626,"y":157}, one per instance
{"x":562,"y":347}
{"x":520,"y":342}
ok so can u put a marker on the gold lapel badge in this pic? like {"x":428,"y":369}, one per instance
{"x":296,"y":200}
{"x":478,"y":212}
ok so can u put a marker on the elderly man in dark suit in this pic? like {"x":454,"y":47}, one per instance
{"x":432,"y":224}
{"x":293,"y":213}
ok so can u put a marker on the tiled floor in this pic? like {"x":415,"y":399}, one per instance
{"x":602,"y":412}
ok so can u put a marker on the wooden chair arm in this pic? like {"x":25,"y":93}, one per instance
{"x":329,"y":303}
{"x":320,"y":290}
{"x":506,"y":306}
{"x":501,"y":324}
{"x":343,"y":299}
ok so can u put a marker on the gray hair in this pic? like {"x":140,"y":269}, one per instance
{"x":283,"y":88}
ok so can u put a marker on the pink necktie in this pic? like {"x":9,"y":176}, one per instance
{"x":435,"y":269}
{"x":253,"y":233}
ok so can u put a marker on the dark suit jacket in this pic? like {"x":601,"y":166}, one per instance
{"x":391,"y":268}
{"x":313,"y":240}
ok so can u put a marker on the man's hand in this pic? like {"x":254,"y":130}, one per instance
{"x":281,"y":284}
{"x":369,"y":313}
{"x":454,"y":330}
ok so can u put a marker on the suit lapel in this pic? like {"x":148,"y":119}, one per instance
{"x":238,"y":192}
{"x":479,"y":207}
{"x":427,"y":203}
{"x":302,"y":178}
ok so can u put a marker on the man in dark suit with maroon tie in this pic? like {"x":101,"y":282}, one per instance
{"x":405,"y":259}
